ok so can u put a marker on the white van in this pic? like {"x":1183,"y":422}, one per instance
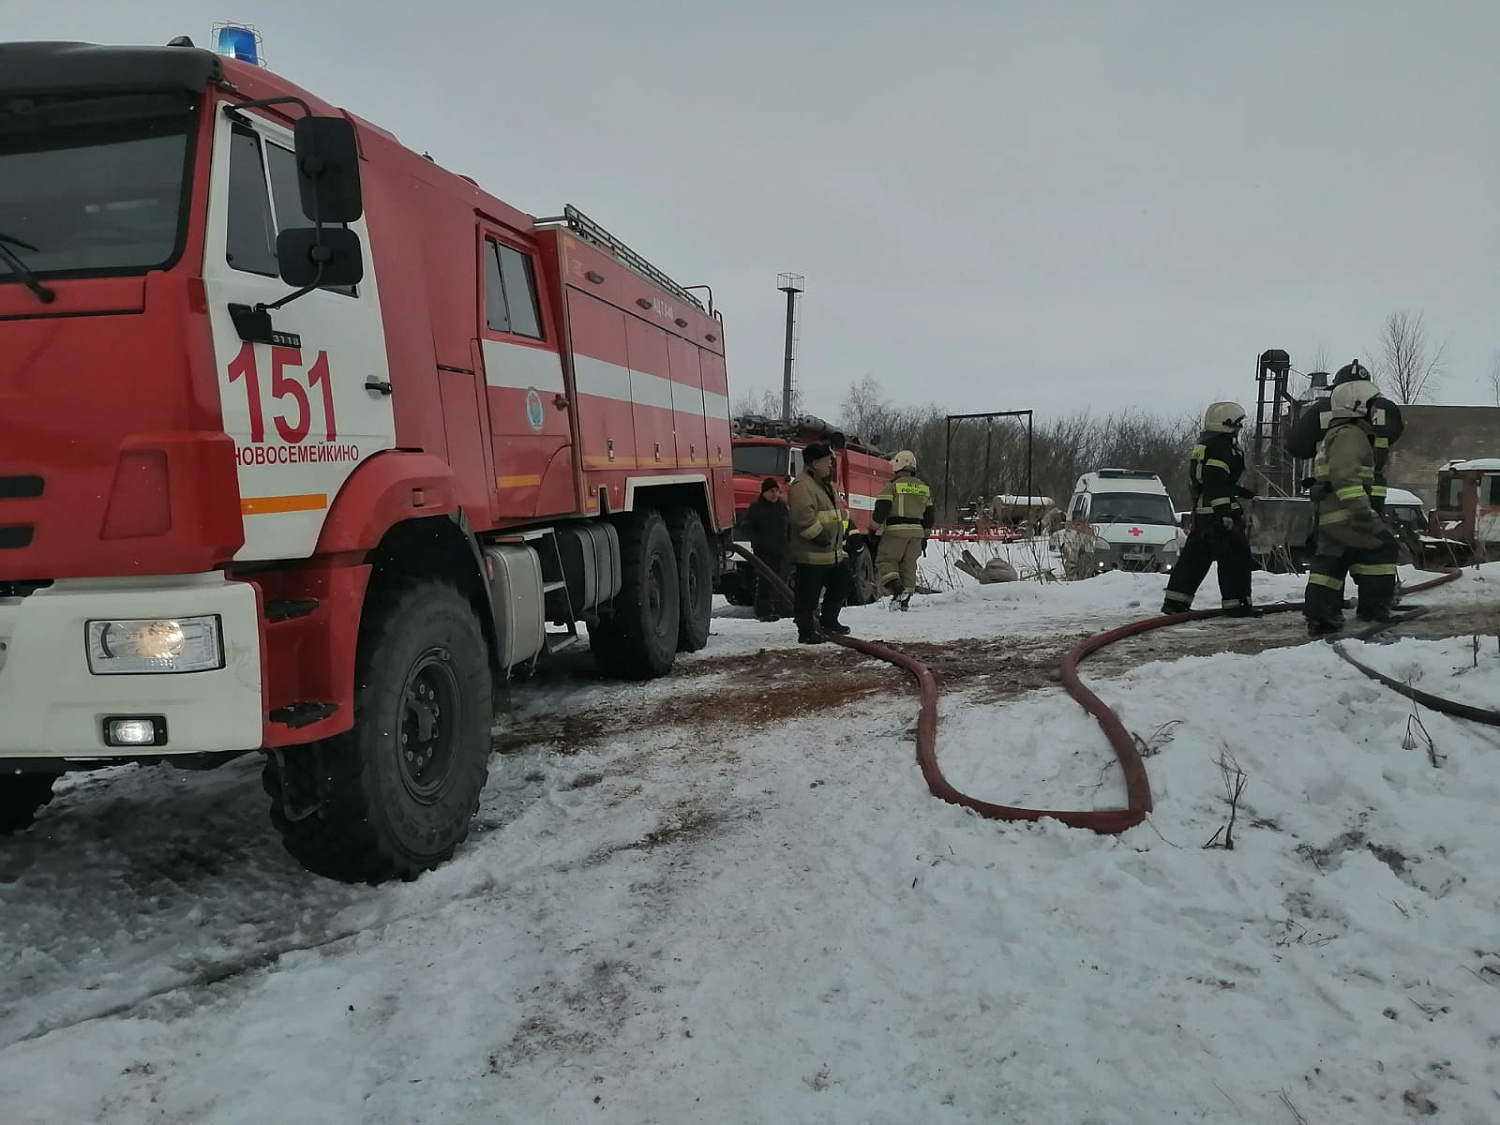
{"x":1119,"y":519}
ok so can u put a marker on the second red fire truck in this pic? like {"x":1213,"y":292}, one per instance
{"x":307,"y":445}
{"x":765,"y":447}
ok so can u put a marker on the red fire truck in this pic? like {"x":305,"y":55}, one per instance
{"x":765,"y":447}
{"x":308,"y":445}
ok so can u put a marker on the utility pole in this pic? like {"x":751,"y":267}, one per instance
{"x":791,"y":284}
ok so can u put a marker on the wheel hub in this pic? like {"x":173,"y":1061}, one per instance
{"x":425,"y":727}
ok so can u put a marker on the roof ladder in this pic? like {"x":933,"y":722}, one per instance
{"x":585,"y":228}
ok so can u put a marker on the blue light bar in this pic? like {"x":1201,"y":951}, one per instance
{"x":238,"y":43}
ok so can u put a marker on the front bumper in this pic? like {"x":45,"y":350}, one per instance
{"x":52,"y":706}
{"x":1116,"y":556}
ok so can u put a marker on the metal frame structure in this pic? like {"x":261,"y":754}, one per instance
{"x":989,"y":435}
{"x":1273,"y":403}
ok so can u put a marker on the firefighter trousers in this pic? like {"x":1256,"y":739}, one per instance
{"x":767,"y":600}
{"x":896,"y":562}
{"x":1207,"y":543}
{"x":828,"y":585}
{"x":1373,"y":570}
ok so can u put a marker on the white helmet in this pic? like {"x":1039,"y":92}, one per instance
{"x":1224,"y":418}
{"x":906,"y":459}
{"x":1352,"y":399}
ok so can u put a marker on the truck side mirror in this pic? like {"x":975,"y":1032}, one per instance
{"x":311,"y":258}
{"x":328,"y":169}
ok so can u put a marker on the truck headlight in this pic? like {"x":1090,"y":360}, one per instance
{"x":160,"y":646}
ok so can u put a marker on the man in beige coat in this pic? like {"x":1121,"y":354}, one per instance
{"x":817,"y":547}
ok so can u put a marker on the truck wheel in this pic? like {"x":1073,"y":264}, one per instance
{"x":863,"y":566}
{"x":734,"y":591}
{"x":21,"y":795}
{"x":393,"y":797}
{"x":695,"y":575}
{"x":638,"y":640}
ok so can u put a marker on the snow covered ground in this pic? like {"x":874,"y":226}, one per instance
{"x":726,"y":896}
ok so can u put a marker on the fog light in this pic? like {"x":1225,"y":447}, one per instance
{"x":135,"y":730}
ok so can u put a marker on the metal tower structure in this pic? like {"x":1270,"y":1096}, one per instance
{"x":791,"y":284}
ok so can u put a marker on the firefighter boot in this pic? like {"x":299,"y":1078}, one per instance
{"x":1245,"y":610}
{"x":1380,"y":613}
{"x":807,"y":632}
{"x":1323,"y":626}
{"x":903,"y":600}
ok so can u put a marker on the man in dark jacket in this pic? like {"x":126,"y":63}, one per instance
{"x":1218,"y":533}
{"x":766,"y":524}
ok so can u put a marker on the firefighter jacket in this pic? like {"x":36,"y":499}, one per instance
{"x":904,"y":508}
{"x":1214,"y":471}
{"x":1386,"y":426}
{"x":766,"y":524}
{"x":817,"y":521}
{"x":1344,"y":472}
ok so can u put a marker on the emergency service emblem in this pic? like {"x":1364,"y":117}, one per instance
{"x":534,"y":410}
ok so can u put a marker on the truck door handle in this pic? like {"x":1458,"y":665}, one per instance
{"x":561,"y":402}
{"x":376,"y":385}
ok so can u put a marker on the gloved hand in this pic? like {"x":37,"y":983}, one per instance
{"x":1365,"y":521}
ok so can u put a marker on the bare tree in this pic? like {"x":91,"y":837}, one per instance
{"x":1409,"y":368}
{"x":766,"y":403}
{"x":1319,"y":358}
{"x":864,"y":409}
{"x":1494,"y":377}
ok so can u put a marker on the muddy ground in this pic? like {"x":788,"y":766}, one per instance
{"x":756,"y":690}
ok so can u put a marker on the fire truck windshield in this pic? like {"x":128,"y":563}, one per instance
{"x":93,"y":186}
{"x":1132,"y":507}
{"x":761,"y":460}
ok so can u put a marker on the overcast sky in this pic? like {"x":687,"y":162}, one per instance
{"x":996,"y":205}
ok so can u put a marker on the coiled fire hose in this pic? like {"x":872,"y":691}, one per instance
{"x":1137,"y":786}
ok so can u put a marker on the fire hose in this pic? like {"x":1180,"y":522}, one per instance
{"x":1137,"y":785}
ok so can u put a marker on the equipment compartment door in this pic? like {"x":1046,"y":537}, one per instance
{"x":528,"y":400}
{"x":300,"y":412}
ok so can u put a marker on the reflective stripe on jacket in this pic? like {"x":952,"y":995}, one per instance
{"x":817,"y":521}
{"x":1215,"y":469}
{"x":1345,"y":473}
{"x":904,"y":507}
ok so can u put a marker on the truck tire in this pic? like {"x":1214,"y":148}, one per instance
{"x":862,"y":565}
{"x":395,"y":795}
{"x":638,"y":640}
{"x":21,"y":796}
{"x":695,"y":574}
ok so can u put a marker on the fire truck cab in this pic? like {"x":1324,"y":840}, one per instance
{"x":1467,"y":516}
{"x":765,"y":447}
{"x":309,"y":445}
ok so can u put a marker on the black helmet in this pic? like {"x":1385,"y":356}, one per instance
{"x":1352,"y":370}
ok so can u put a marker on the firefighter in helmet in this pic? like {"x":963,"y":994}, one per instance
{"x":900,"y":525}
{"x":1218,"y":531}
{"x":1385,"y":422}
{"x":1351,"y":536}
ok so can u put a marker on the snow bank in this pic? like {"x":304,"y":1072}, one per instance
{"x":666,"y":916}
